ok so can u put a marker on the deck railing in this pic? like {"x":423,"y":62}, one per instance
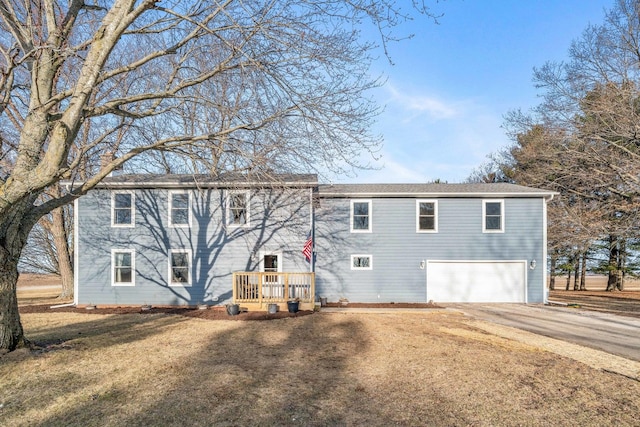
{"x":273,"y":287}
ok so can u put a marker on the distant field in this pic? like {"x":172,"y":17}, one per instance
{"x":598,"y":283}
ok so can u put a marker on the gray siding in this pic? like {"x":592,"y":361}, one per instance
{"x":397,"y":249}
{"x":279,"y":222}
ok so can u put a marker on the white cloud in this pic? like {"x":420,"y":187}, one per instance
{"x":432,"y":106}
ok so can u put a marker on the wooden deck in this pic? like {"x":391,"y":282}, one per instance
{"x":256,"y":290}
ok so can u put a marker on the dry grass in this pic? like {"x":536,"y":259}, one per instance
{"x":324,"y":369}
{"x":436,"y":368}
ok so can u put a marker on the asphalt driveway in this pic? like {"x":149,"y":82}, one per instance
{"x":611,"y":333}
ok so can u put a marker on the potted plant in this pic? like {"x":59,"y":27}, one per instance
{"x":293,"y":305}
{"x":233,"y":309}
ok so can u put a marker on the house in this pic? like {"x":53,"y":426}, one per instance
{"x":178,"y":239}
{"x":440,"y":242}
{"x":194,"y":239}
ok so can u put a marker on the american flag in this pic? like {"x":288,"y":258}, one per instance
{"x":308,"y":247}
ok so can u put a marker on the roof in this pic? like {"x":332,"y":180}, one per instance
{"x":208,"y":181}
{"x":431,"y":190}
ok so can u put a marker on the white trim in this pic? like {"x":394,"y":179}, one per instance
{"x":484,"y":215}
{"x":133,"y":267}
{"x":247,"y":195}
{"x":278,"y":254}
{"x":170,"y":208}
{"x":543,"y":262}
{"x":361,"y":256}
{"x":435,"y":214}
{"x":370,"y":215}
{"x":170,"y":264}
{"x":133,"y":208}
{"x":76,"y":266}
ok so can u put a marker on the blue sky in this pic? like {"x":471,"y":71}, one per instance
{"x":452,"y":84}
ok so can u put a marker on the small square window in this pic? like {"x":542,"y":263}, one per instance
{"x":123,"y":267}
{"x":361,"y":262}
{"x":493,"y":216}
{"x":179,"y":267}
{"x":427,"y":216}
{"x":360,"y":216}
{"x":179,"y":209}
{"x":122,"y":209}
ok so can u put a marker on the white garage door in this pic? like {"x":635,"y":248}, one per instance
{"x":476,"y":281}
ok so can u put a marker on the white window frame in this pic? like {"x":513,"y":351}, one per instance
{"x":133,"y":209}
{"x":435,"y":215}
{"x":247,"y":195}
{"x":133,"y":267}
{"x":361,"y":256}
{"x":351,"y":213}
{"x":189,"y":267}
{"x":170,"y":208}
{"x":484,"y":216}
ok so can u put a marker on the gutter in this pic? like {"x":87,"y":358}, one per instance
{"x":546,"y":195}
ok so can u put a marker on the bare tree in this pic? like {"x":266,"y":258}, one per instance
{"x":287,"y":78}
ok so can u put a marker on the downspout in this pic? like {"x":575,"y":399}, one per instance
{"x":312,"y":231}
{"x":545,"y":298}
{"x":75,"y":252}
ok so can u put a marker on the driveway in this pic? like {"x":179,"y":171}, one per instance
{"x":611,"y":333}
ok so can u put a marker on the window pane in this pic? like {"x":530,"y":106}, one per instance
{"x":122,"y":216}
{"x":179,"y":260}
{"x":180,"y":216}
{"x":361,"y":223}
{"x":493,"y":209}
{"x":427,"y":223}
{"x":361,"y":208}
{"x":123,"y":259}
{"x":180,"y":275}
{"x":427,"y":209}
{"x":361,"y":262}
{"x":179,"y":267}
{"x":180,"y":201}
{"x":123,"y":275}
{"x":122,"y":200}
{"x":237,"y":201}
{"x":493,"y":223}
{"x":238,"y":209}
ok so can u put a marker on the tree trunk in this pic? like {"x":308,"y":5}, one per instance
{"x":14,"y":229}
{"x":552,"y":279}
{"x":11,"y":333}
{"x":568,"y":280}
{"x":612,"y":282}
{"x":622,"y":264}
{"x":576,"y":275}
{"x":583,"y":273}
{"x":61,"y":240}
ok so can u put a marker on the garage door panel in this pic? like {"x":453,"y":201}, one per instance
{"x":476,"y":281}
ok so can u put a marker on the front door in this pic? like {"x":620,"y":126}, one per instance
{"x":271,"y":262}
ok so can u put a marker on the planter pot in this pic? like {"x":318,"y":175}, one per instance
{"x":293,"y":306}
{"x":272,"y":308}
{"x":233,"y":309}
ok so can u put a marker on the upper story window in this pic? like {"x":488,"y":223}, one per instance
{"x":179,"y":267}
{"x":123,"y":267}
{"x":122,"y":209}
{"x":361,"y":216}
{"x":493,"y":216}
{"x":238,"y":208}
{"x":179,"y":209}
{"x":426,"y":216}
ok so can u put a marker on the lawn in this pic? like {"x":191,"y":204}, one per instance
{"x":434,"y":367}
{"x":430,"y":368}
